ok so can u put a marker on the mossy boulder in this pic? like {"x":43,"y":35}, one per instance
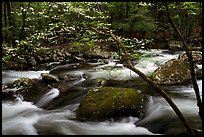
{"x":174,"y":71}
{"x":22,"y":83}
{"x":109,"y":102}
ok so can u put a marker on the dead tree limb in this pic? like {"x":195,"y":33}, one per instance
{"x":129,"y":65}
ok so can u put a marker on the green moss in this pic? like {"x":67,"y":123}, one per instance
{"x":106,"y":102}
{"x":153,"y":76}
{"x":22,"y":82}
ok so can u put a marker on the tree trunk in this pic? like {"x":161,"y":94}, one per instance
{"x":155,"y":86}
{"x":192,"y":69}
{"x":126,"y":10}
{"x":156,"y":11}
{"x":9,"y":13}
{"x":5,"y":17}
{"x":39,"y":22}
{"x":48,"y":12}
{"x":11,"y":24}
{"x":5,"y":21}
{"x":23,"y":18}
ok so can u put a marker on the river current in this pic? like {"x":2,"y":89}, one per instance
{"x":27,"y":118}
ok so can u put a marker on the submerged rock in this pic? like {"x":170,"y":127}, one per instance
{"x":48,"y":78}
{"x":109,"y":102}
{"x":174,"y":71}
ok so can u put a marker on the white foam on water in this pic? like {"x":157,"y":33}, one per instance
{"x":53,"y":93}
{"x":18,"y":118}
{"x":24,"y":118}
{"x":10,"y":76}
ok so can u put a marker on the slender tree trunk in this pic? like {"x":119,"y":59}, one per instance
{"x":39,"y":22}
{"x":11,"y":24}
{"x":5,"y":21}
{"x":126,"y":10}
{"x":156,"y":11}
{"x":9,"y":13}
{"x":48,"y":12}
{"x":111,"y":17}
{"x":192,"y":69}
{"x":5,"y":17}
{"x":23,"y":18}
{"x":150,"y":82}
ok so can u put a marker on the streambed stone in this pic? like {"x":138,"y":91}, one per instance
{"x":49,"y":78}
{"x":109,"y":102}
{"x":174,"y":71}
{"x":21,"y":82}
{"x":196,"y":55}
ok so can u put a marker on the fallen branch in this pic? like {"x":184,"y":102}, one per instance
{"x":129,"y":65}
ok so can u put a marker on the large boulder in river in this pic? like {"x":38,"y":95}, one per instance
{"x":196,"y":55}
{"x":109,"y":102}
{"x":174,"y":71}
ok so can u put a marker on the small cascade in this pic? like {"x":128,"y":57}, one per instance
{"x":53,"y":93}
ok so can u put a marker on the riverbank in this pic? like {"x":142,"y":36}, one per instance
{"x":40,"y":58}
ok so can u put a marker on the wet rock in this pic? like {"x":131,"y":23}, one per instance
{"x":49,"y":78}
{"x":98,"y":82}
{"x":35,"y":92}
{"x":8,"y":95}
{"x":39,"y":58}
{"x":109,"y":102}
{"x":49,"y":64}
{"x":197,"y":56}
{"x":32,"y":93}
{"x":33,"y":62}
{"x":69,"y":67}
{"x":175,"y":45}
{"x":22,"y":82}
{"x":69,"y":77}
{"x":60,"y":53}
{"x":174,"y":71}
{"x":96,"y":54}
{"x":47,"y":58}
{"x":67,"y":54}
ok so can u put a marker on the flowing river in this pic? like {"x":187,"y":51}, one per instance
{"x":28,"y":118}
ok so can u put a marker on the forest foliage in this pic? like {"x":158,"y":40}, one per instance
{"x":37,"y":24}
{"x":30,"y":25}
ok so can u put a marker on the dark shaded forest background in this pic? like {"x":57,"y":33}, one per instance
{"x":36,"y":24}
